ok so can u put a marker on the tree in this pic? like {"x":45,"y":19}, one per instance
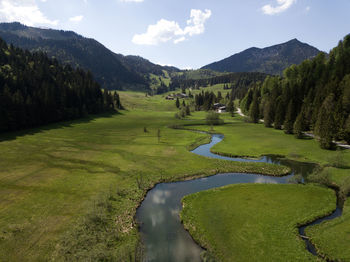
{"x":279,"y":115}
{"x":213,"y":118}
{"x":177,"y":103}
{"x":188,"y":110}
{"x":231,"y":108}
{"x":325,"y":123}
{"x":268,"y":114}
{"x":299,"y":125}
{"x":288,"y":124}
{"x":254,"y":109}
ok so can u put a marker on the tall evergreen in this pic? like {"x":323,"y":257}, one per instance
{"x":254,"y":109}
{"x":269,"y":114}
{"x":289,"y":120}
{"x":177,"y":103}
{"x":299,"y":125}
{"x":325,"y":123}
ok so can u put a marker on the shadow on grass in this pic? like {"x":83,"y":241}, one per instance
{"x":7,"y":136}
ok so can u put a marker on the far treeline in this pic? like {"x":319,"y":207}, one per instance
{"x":314,"y":96}
{"x":36,"y":90}
{"x":239,"y":82}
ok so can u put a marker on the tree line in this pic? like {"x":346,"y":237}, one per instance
{"x":36,"y":90}
{"x":238,"y":81}
{"x":314,"y":96}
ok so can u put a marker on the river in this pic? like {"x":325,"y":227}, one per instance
{"x":162,"y":232}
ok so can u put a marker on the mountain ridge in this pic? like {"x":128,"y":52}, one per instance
{"x":270,"y":60}
{"x":111,"y":70}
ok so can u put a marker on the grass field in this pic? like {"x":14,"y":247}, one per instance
{"x":332,"y":238}
{"x":71,"y":189}
{"x":250,"y":222}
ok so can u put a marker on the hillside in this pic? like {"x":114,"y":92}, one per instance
{"x":36,"y":90}
{"x":314,"y":96}
{"x":270,"y":60}
{"x":112,"y":71}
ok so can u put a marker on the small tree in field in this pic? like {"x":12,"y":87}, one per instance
{"x":214,"y":119}
{"x":177,"y":103}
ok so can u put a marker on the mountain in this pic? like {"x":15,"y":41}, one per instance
{"x":270,"y":60}
{"x":144,"y":66}
{"x":112,"y":71}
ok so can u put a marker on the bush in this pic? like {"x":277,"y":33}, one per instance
{"x":322,"y":177}
{"x":337,"y":159}
{"x":214,"y":119}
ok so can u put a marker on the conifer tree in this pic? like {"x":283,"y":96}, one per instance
{"x":231,"y":108}
{"x":299,"y":125}
{"x":325,"y":123}
{"x":177,"y":103}
{"x":268,"y":114}
{"x":288,"y":124}
{"x":254,"y":109}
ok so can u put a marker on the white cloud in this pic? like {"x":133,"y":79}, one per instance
{"x":282,"y":5}
{"x":307,"y":9}
{"x":128,"y":1}
{"x":195,"y":25}
{"x":164,"y":30}
{"x":179,"y":40}
{"x":76,"y":19}
{"x":24,"y":11}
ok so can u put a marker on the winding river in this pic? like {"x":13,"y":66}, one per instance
{"x":162,"y":232}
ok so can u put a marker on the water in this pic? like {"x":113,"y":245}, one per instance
{"x":162,"y":232}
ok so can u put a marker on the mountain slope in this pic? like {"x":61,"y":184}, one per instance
{"x":269,"y":60}
{"x":36,"y":90}
{"x":71,"y":48}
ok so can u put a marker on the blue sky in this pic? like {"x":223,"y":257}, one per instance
{"x":188,"y":33}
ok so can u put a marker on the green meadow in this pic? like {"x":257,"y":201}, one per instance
{"x":254,"y":222}
{"x":69,"y":191}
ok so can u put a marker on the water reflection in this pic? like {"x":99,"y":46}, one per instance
{"x":160,"y":197}
{"x":265,"y":180}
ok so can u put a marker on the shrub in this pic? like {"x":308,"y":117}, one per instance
{"x":214,"y":119}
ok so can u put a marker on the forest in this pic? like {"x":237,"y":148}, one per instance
{"x":36,"y":90}
{"x":239,"y":82}
{"x":313,"y":96}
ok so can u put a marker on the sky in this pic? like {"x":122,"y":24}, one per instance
{"x":188,"y":33}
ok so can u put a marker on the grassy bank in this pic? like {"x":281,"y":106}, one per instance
{"x":252,"y":222}
{"x":332,"y":238}
{"x":69,"y":191}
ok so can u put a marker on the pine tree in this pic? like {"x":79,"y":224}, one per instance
{"x":254,"y":109}
{"x":188,"y":110}
{"x":288,"y":124}
{"x":177,"y":103}
{"x":279,"y":115}
{"x":325,"y":123}
{"x":269,"y":114}
{"x":231,"y":108}
{"x":299,"y":125}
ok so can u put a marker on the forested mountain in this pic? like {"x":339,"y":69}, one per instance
{"x":144,"y":66}
{"x":270,"y":60}
{"x":312,"y":96}
{"x":112,"y":71}
{"x":36,"y":90}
